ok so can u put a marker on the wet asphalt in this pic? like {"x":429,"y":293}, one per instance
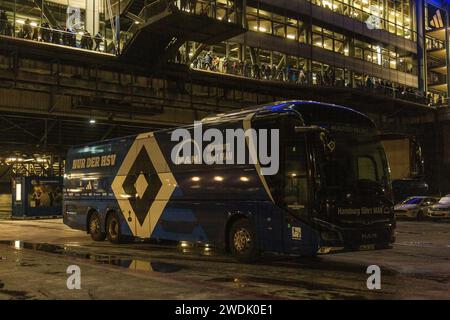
{"x":35,"y":255}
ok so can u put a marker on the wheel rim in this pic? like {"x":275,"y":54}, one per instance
{"x":94,"y":225}
{"x":242,"y":240}
{"x":113,"y":228}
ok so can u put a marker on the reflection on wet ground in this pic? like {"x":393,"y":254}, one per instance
{"x":277,"y":276}
{"x":122,"y":261}
{"x":418,"y":266}
{"x":181,"y":253}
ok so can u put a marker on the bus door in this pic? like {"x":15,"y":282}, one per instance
{"x":295,"y":192}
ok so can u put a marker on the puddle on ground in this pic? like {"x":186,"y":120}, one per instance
{"x":123,"y":262}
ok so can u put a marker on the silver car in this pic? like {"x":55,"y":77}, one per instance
{"x":440,"y":209}
{"x":414,"y":207}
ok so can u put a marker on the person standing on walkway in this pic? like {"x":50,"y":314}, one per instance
{"x":27,"y":30}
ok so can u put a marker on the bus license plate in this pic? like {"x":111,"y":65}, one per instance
{"x":365,"y":247}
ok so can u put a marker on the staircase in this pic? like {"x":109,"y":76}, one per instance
{"x":128,"y":11}
{"x":46,"y":12}
{"x":165,"y":28}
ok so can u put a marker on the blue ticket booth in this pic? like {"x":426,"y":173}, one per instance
{"x":37,"y":197}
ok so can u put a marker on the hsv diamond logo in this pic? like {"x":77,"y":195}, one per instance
{"x":143,"y":185}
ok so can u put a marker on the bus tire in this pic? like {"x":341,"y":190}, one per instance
{"x":243,"y":242}
{"x":95,"y":227}
{"x":113,"y":228}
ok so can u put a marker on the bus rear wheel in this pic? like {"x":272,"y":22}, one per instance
{"x":95,"y":227}
{"x":113,"y":228}
{"x":243,"y":241}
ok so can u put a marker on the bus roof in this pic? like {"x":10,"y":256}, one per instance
{"x":309,"y":110}
{"x":305,"y":108}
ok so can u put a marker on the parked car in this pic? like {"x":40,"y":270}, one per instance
{"x":414,"y":207}
{"x":441,"y":209}
{"x":405,"y":188}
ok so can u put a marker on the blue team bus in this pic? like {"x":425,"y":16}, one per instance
{"x":331,"y":192}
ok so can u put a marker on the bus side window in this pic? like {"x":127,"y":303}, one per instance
{"x":295,"y":176}
{"x":367,"y":169}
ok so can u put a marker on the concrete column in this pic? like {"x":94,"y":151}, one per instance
{"x":244,"y":13}
{"x":92,"y":16}
{"x":421,"y":46}
{"x":447,"y":52}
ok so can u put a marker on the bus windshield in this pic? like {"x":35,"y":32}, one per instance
{"x":357,"y":163}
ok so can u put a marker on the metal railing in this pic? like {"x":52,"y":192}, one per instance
{"x":58,"y":36}
{"x":298,"y":76}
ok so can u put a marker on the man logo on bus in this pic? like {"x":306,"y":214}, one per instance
{"x":229,"y":150}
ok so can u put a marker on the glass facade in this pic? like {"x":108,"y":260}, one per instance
{"x":75,"y":23}
{"x":313,"y":52}
{"x":395,"y":16}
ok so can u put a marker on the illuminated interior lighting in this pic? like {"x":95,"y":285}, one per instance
{"x":196,"y":179}
{"x":17,"y":244}
{"x":244,"y":179}
{"x":218,"y":178}
{"x":291,"y":36}
{"x":20,"y":21}
{"x":262,"y":29}
{"x":92,"y":121}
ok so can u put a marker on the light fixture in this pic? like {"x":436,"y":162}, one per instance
{"x":244,"y":179}
{"x":92,"y":121}
{"x":291,"y":36}
{"x":218,"y":178}
{"x":196,"y":179}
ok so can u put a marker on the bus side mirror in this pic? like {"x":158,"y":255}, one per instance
{"x":328,"y":144}
{"x":310,"y":129}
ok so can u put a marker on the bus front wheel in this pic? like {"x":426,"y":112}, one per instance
{"x":243,"y":241}
{"x":95,"y":227}
{"x":113,"y":228}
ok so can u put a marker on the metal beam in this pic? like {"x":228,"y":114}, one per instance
{"x":17,"y":126}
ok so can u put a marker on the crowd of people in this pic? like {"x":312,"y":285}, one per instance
{"x":298,"y":75}
{"x":261,"y":71}
{"x":51,"y":34}
{"x":249,"y":70}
